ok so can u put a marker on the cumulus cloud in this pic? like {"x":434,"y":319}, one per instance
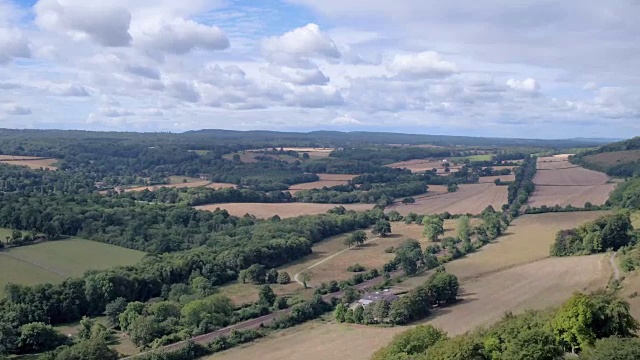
{"x":297,"y":76}
{"x":315,"y":97}
{"x":13,"y":44}
{"x":306,"y":41}
{"x":144,"y":71}
{"x":427,"y":64}
{"x":346,"y":120}
{"x":181,"y":36}
{"x":69,"y":90}
{"x":184,"y":91}
{"x":102,"y":22}
{"x":528,"y":85}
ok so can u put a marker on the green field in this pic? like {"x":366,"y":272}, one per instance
{"x":4,"y":233}
{"x":56,"y":260}
{"x":485,"y":157}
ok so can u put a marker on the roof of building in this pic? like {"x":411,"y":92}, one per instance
{"x":378,"y":295}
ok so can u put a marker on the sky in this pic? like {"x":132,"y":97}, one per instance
{"x":526,"y":68}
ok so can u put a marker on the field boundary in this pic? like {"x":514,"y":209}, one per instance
{"x":40,"y":266}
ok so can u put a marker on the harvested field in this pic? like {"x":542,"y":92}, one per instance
{"x":31,"y":162}
{"x":54,"y":261}
{"x":533,"y":286}
{"x":560,"y":183}
{"x":326,"y":180}
{"x":422,"y":165}
{"x":614,"y":157}
{"x":284,"y":210}
{"x":527,"y":239}
{"x":470,"y":198}
{"x":491,"y":179}
{"x":215,"y":185}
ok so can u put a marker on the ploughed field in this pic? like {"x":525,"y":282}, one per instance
{"x":469,"y":199}
{"x":54,"y":261}
{"x":284,"y":210}
{"x":33,"y":162}
{"x":558,"y":182}
{"x":614,"y":157}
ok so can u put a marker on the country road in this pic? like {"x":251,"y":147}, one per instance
{"x":297,"y":275}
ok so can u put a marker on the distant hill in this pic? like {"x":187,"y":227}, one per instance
{"x":616,"y":159}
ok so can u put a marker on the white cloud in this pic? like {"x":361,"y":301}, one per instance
{"x":306,"y":41}
{"x":13,"y":44}
{"x":69,"y":90}
{"x":144,"y":71}
{"x":181,"y":36}
{"x":345,"y":120}
{"x":106,"y":24}
{"x":313,"y":76}
{"x":528,"y":85}
{"x":425,"y":64}
{"x":315,"y":97}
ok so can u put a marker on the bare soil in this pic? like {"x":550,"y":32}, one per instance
{"x":31,"y":162}
{"x":469,"y":199}
{"x":491,"y":179}
{"x":614,"y":157}
{"x":326,"y":180}
{"x":284,"y":210}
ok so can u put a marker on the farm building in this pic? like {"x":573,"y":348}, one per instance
{"x":370,"y":298}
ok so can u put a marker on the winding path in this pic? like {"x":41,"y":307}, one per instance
{"x":614,"y":266}
{"x":296,"y":276}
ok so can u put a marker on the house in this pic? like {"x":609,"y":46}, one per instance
{"x":370,"y":298}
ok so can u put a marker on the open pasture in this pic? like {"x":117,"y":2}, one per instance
{"x":469,"y":199}
{"x":560,"y":183}
{"x":32,"y":162}
{"x":54,"y":261}
{"x":326,"y":180}
{"x":284,"y":210}
{"x":545,"y":283}
{"x":179,"y":182}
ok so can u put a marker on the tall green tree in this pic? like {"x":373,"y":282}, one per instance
{"x":433,"y":227}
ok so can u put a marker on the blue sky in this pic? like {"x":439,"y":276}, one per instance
{"x":490,"y":68}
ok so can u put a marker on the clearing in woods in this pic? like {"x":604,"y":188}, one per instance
{"x":183,"y":182}
{"x":329,"y":260}
{"x":558,"y":182}
{"x":538,"y":285}
{"x":469,"y":199}
{"x":33,"y":162}
{"x":284,"y":210}
{"x":54,"y":261}
{"x":326,"y":180}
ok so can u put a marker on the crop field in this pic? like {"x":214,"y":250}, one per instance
{"x":250,"y":157}
{"x":558,"y":182}
{"x":532,"y":286}
{"x":284,"y":210}
{"x":491,"y":179}
{"x":469,"y":199}
{"x":614,"y":157}
{"x":527,"y":239}
{"x":56,"y":260}
{"x":422,"y":165}
{"x":326,"y":180}
{"x":179,"y":182}
{"x":32,"y":162}
{"x":313,"y":152}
